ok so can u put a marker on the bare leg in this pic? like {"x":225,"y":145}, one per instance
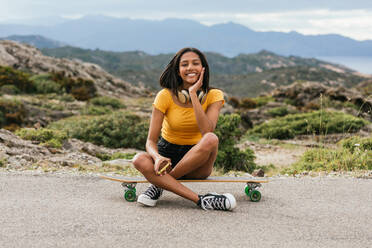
{"x":145,"y":164}
{"x":198,"y":162}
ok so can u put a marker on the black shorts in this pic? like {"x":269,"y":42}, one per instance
{"x":172,"y":151}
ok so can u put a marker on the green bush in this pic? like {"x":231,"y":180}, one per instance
{"x":263,"y":100}
{"x":44,"y":85}
{"x":356,"y":142}
{"x":12,"y":113}
{"x":2,"y":119}
{"x":279,"y":111}
{"x":248,"y":103}
{"x":3,"y":162}
{"x":10,"y":76}
{"x":81,"y":89}
{"x":9,"y":89}
{"x":46,"y":137}
{"x":96,"y":110}
{"x":117,"y":155}
{"x":277,"y":133}
{"x":107,"y":101}
{"x":317,"y":122}
{"x":66,"y":98}
{"x":340,"y":159}
{"x":119,"y":129}
{"x":233,"y":101}
{"x":229,"y":157}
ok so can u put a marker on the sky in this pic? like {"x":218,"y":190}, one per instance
{"x":351,"y":18}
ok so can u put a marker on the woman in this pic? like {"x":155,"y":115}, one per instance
{"x":185,"y":113}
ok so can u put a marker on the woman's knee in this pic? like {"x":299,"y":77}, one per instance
{"x":210,"y":140}
{"x":142,"y":161}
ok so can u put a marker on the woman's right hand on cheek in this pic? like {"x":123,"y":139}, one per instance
{"x":160,"y":162}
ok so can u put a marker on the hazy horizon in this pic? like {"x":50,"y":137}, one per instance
{"x":352,"y":19}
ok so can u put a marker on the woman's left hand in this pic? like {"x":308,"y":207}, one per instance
{"x":196,"y":86}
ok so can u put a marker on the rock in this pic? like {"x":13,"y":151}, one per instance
{"x":119,"y":162}
{"x":300,"y":93}
{"x":258,"y":173}
{"x":19,"y":154}
{"x":308,"y":94}
{"x":28,"y":58}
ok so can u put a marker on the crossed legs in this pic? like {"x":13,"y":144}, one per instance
{"x":196,"y":164}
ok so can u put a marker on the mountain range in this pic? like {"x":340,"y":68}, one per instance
{"x":169,"y":35}
{"x":245,"y":75}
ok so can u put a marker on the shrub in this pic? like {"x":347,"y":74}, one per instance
{"x":263,"y":100}
{"x":2,"y":119}
{"x":44,"y":85}
{"x":3,"y":162}
{"x":311,"y":106}
{"x":12,"y":113}
{"x":234,"y":102}
{"x":340,"y":159}
{"x":248,"y":103}
{"x":46,"y":137}
{"x":119,"y":129}
{"x":277,"y":133}
{"x":9,"y":89}
{"x":117,"y":155}
{"x":96,"y":110}
{"x":230,"y":157}
{"x":107,"y":101}
{"x":10,"y":76}
{"x":290,"y":102}
{"x":66,"y":98}
{"x":317,"y":122}
{"x":80,"y":89}
{"x":356,"y":142}
{"x":279,"y":111}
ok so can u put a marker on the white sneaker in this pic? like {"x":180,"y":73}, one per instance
{"x":150,"y":196}
{"x":214,"y":201}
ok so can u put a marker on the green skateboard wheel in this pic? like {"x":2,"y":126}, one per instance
{"x":247,"y":190}
{"x":255,"y":196}
{"x":130,"y":195}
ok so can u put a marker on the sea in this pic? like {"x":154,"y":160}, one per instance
{"x":360,"y":64}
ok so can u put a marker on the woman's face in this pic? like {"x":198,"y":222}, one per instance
{"x":190,"y":68}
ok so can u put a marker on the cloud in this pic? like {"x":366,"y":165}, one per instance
{"x":352,"y":23}
{"x":349,"y":18}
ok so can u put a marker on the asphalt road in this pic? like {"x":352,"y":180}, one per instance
{"x":66,"y":210}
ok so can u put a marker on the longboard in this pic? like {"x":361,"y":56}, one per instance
{"x":251,"y":188}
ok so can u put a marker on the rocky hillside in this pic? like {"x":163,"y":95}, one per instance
{"x":27,"y":58}
{"x":49,"y":126}
{"x":304,"y":97}
{"x":246,"y":75}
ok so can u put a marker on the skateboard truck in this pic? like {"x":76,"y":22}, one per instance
{"x":252,"y":192}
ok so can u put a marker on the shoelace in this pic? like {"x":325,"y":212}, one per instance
{"x":153,"y":192}
{"x":213,"y":202}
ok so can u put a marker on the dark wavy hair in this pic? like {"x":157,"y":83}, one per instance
{"x":170,"y":77}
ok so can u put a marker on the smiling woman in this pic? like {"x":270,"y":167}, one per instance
{"x":187,"y":142}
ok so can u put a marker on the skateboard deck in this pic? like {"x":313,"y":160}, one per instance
{"x":251,"y":188}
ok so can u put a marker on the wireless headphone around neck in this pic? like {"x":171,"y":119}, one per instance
{"x":184,"y":96}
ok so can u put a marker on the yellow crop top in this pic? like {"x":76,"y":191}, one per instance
{"x":179,"y":124}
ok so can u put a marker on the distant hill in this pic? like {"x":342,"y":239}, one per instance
{"x":29,"y":59}
{"x":36,"y":41}
{"x":245,"y":75}
{"x":169,"y":35}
